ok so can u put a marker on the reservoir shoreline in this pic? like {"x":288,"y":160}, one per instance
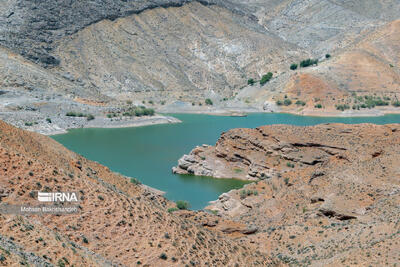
{"x":149,"y":153}
{"x":168,"y":118}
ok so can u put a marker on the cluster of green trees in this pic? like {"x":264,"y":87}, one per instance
{"x":89,"y":117}
{"x":370,"y":101}
{"x":288,"y":102}
{"x":209,"y":102}
{"x":342,"y":107}
{"x":285,"y":102}
{"x":139,"y":111}
{"x":306,"y":63}
{"x":264,"y":79}
{"x":75,"y":114}
{"x":361,"y":102}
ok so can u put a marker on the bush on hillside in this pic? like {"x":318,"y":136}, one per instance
{"x":135,"y":181}
{"x":396,"y":103}
{"x":266,"y":78}
{"x":90,"y":117}
{"x":342,"y":107}
{"x":139,"y":111}
{"x":287,"y":102}
{"x":318,"y":106}
{"x":308,"y":62}
{"x":300,"y":103}
{"x":76,"y":114}
{"x":182,"y":205}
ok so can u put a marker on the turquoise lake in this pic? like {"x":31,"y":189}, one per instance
{"x":148,"y":153}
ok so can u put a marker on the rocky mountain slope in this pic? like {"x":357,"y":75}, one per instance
{"x":118,"y":223}
{"x":368,"y":68}
{"x":172,"y":55}
{"x":189,"y":53}
{"x":325,"y":195}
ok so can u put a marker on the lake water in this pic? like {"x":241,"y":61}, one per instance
{"x":148,"y":153}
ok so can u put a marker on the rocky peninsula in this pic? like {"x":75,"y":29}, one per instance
{"x":323,"y":195}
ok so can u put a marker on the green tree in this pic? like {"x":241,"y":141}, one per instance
{"x":266,"y":78}
{"x":209,"y":102}
{"x":287,"y":102}
{"x":251,"y":81}
{"x":396,"y":103}
{"x":318,"y":106}
{"x":300,"y":103}
{"x":90,"y":117}
{"x":308,"y":62}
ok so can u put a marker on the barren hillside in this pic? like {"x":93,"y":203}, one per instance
{"x":368,"y":69}
{"x":178,"y":53}
{"x":118,"y":224}
{"x":325,"y":195}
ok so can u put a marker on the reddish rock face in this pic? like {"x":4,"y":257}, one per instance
{"x":326,"y":195}
{"x":261,"y":153}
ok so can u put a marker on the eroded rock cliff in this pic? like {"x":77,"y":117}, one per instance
{"x":324,"y":195}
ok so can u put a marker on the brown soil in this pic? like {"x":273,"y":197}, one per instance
{"x":325,"y":195}
{"x":119,"y":223}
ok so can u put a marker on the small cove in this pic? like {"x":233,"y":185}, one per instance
{"x":148,"y":153}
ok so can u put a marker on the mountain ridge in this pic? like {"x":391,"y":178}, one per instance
{"x":172,"y":56}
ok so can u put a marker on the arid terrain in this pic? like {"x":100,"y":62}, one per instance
{"x":119,"y":223}
{"x":324,"y":195}
{"x":173,"y":55}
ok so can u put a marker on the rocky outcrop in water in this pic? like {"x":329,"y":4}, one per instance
{"x":252,"y":154}
{"x":328,"y":197}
